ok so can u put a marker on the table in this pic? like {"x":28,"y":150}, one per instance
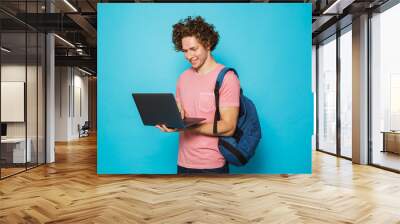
{"x":13,"y":150}
{"x":391,"y":141}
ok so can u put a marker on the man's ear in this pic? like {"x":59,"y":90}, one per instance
{"x":208,"y":46}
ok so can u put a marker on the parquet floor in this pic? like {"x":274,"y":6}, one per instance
{"x":70,"y":191}
{"x":10,"y":171}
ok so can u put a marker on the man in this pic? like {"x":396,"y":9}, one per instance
{"x":198,"y":146}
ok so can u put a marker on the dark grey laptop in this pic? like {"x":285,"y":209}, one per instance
{"x":161,"y":108}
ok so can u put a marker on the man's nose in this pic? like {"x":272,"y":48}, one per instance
{"x":189,"y":56}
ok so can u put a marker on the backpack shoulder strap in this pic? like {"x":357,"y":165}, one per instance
{"x":221,"y":76}
{"x":218,"y":85}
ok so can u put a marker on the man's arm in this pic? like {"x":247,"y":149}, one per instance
{"x":225,"y":127}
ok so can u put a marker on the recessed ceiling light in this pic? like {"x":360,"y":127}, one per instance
{"x":5,"y":50}
{"x":64,"y":40}
{"x":84,"y":71}
{"x":70,"y":5}
{"x":337,"y":7}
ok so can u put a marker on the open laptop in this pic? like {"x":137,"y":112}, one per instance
{"x":161,"y":108}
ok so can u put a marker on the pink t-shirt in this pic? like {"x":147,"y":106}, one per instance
{"x":195,"y":93}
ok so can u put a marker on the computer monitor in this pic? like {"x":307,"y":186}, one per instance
{"x":3,"y":129}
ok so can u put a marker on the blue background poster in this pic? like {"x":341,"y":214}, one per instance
{"x":268,"y":44}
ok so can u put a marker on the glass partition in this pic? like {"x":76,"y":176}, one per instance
{"x":14,"y":153}
{"x":22,"y":88}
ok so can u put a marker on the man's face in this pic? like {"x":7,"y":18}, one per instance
{"x":194,"y":51}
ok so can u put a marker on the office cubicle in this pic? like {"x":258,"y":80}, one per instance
{"x":22,"y":77}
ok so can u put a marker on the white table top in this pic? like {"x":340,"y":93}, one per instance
{"x":13,"y":140}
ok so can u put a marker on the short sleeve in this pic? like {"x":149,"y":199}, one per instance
{"x":229,"y":94}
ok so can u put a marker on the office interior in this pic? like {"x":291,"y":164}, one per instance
{"x":49,"y":88}
{"x":47,"y":80}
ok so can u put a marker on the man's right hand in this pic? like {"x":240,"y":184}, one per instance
{"x":181,"y":110}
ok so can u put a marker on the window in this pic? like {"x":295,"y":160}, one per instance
{"x":346,"y":92}
{"x":327,"y":95}
{"x":385,"y":88}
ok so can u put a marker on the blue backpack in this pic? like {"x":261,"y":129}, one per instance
{"x":240,"y":147}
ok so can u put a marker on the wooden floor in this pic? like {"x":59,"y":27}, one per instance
{"x":70,"y":191}
{"x":5,"y":172}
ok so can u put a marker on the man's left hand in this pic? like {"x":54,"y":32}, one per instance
{"x":164,"y":128}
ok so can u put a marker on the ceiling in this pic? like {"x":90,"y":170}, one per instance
{"x":76,"y":22}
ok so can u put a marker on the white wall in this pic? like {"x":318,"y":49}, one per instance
{"x":71,"y":102}
{"x":62,"y":81}
{"x":15,"y":72}
{"x":33,"y":127}
{"x":80,"y":110}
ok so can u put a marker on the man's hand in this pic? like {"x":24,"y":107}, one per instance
{"x":164,"y":128}
{"x":181,"y":111}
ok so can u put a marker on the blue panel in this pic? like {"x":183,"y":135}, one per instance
{"x":268,"y":44}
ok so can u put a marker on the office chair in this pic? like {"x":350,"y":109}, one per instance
{"x":84,"y":130}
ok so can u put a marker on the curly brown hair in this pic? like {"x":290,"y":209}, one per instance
{"x":197,"y":27}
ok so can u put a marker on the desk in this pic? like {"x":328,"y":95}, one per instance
{"x":15,"y":148}
{"x":391,"y":141}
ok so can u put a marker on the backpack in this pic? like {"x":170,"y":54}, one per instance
{"x":240,"y":147}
